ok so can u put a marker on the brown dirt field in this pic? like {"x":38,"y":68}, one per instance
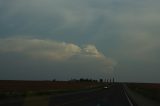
{"x":154,"y":86}
{"x":22,"y":86}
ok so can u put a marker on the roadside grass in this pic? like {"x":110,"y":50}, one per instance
{"x":145,"y":90}
{"x":16,"y":94}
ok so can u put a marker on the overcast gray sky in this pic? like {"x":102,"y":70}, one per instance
{"x":64,"y":39}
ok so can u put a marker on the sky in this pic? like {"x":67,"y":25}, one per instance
{"x":66,"y":39}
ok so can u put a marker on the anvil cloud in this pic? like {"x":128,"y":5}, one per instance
{"x":84,"y":31}
{"x":57,"y":52}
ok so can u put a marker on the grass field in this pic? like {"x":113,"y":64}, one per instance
{"x":10,"y":88}
{"x":149,"y":90}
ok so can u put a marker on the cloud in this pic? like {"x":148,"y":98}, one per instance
{"x":140,"y":46}
{"x":37,"y":48}
{"x":55,"y":51}
{"x":127,"y":30}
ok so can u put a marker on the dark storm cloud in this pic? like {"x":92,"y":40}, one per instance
{"x":126,"y":30}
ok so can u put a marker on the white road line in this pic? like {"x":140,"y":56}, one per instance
{"x":131,"y":104}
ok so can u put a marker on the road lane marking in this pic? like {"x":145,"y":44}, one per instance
{"x":130,"y":102}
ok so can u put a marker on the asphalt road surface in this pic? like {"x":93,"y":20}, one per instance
{"x":113,"y":96}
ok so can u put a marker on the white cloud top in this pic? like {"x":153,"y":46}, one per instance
{"x":49,"y":49}
{"x":55,"y":51}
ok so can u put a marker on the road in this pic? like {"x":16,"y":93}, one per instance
{"x":113,"y":96}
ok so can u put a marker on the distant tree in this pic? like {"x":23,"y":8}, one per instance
{"x":110,"y":81}
{"x":107,"y":81}
{"x":101,"y":80}
{"x":54,"y":80}
{"x":74,"y":80}
{"x":113,"y":80}
{"x":81,"y":80}
{"x":94,"y":81}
